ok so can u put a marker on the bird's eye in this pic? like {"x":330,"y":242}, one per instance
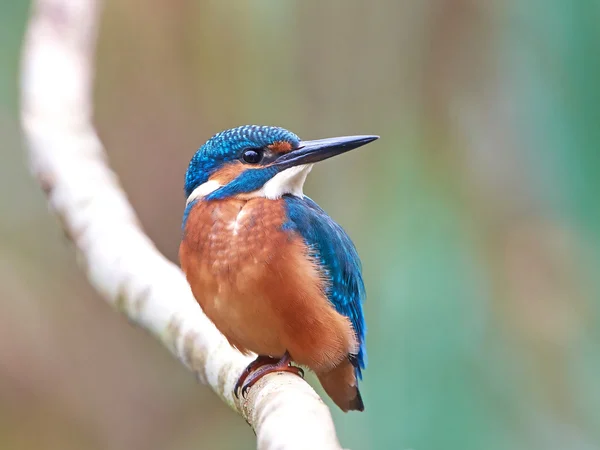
{"x":252,"y":155}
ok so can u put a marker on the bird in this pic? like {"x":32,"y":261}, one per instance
{"x":273,"y":272}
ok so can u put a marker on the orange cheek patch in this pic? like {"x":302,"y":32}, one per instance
{"x":280,"y":147}
{"x":227,"y":173}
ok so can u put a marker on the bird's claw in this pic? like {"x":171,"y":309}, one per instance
{"x":267,"y":369}
{"x":254,"y":365}
{"x":262,"y":366}
{"x":245,"y":390}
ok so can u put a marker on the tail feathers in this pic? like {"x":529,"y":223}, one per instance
{"x":341,"y":385}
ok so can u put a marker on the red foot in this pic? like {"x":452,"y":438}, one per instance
{"x":262,"y":366}
{"x":260,"y":360}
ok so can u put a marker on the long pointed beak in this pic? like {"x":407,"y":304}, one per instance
{"x":310,"y":152}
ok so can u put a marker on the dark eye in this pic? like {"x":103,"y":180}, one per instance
{"x":252,"y":155}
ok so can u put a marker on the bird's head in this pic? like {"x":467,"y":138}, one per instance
{"x":259,"y":161}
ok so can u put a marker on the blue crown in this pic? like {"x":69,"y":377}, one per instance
{"x":226,"y":146}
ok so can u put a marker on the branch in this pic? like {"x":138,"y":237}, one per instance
{"x":121,"y":262}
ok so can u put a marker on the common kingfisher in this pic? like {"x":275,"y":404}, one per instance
{"x":274,"y":273}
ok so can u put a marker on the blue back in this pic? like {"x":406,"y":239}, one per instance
{"x":334,"y":250}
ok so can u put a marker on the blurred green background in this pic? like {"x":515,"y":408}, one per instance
{"x":476,"y":215}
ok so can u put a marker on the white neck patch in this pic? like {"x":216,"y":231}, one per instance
{"x":203,"y":190}
{"x":289,"y":181}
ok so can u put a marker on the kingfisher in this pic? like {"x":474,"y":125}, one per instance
{"x":274,"y":273}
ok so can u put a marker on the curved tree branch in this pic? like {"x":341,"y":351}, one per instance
{"x":120,"y":261}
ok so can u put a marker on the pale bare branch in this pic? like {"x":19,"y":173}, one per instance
{"x":120,"y":261}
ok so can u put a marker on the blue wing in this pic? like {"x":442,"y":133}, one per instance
{"x":339,"y":259}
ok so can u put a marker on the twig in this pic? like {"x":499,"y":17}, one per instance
{"x":120,"y":261}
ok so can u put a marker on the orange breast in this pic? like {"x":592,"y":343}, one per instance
{"x":258,"y":284}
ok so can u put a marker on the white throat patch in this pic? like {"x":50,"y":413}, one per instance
{"x":289,"y":181}
{"x":203,"y":190}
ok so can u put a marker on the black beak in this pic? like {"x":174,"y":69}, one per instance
{"x":310,"y":152}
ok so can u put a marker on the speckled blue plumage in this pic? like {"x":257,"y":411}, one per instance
{"x":338,"y":257}
{"x":227,"y":145}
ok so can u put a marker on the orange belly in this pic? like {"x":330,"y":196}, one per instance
{"x":258,"y":284}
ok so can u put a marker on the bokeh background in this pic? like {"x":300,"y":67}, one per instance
{"x":477,"y":216}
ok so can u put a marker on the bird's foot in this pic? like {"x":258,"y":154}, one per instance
{"x":248,"y":379}
{"x":260,"y":361}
